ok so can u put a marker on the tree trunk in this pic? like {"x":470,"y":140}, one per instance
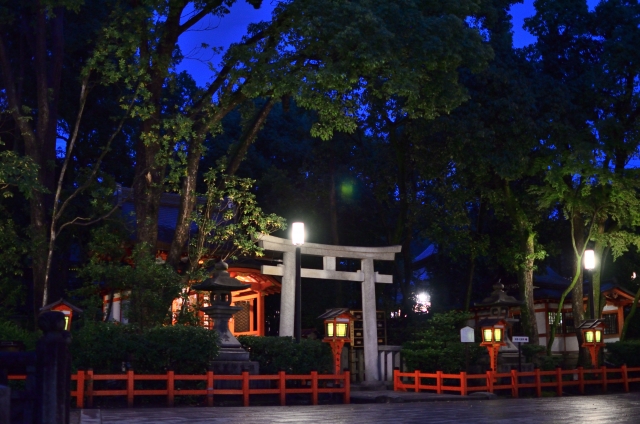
{"x":39,"y":135}
{"x":525,"y":270}
{"x":239,"y":150}
{"x":525,"y":281}
{"x":596,"y":274}
{"x":475,"y":236}
{"x":577,"y":293}
{"x":187,"y":204}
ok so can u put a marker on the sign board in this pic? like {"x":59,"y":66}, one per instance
{"x":466,"y":335}
{"x":520,"y":339}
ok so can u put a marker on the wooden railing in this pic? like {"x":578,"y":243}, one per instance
{"x":514,"y":381}
{"x":312,"y":384}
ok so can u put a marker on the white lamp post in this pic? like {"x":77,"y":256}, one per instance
{"x":297,"y":238}
{"x":589,"y":265}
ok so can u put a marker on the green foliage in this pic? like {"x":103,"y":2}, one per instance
{"x":283,"y":353}
{"x":627,"y":352}
{"x":19,"y":171}
{"x":9,"y":331}
{"x":152,"y":286}
{"x":13,"y":248}
{"x":230,"y":220}
{"x":532,"y":351}
{"x":437,"y":346}
{"x":105,"y":346}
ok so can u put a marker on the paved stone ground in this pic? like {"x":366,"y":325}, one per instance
{"x":616,"y":408}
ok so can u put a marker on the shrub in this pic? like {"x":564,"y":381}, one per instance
{"x":532,"y":352}
{"x":627,"y":352}
{"x":105,"y":346}
{"x":9,"y":331}
{"x":437,"y":346}
{"x":283,"y":353}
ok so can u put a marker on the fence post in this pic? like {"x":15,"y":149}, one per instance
{"x":581,"y":379}
{"x":490,"y":381}
{"x":314,"y":387}
{"x":538,"y":386}
{"x":625,"y":377}
{"x":130,"y":387}
{"x":463,"y":383}
{"x":170,"y":387}
{"x":53,"y":370}
{"x":245,"y":387}
{"x":396,"y":379}
{"x":80,"y":390}
{"x":514,"y":383}
{"x":604,"y":378}
{"x":90,"y":388}
{"x":347,"y":386}
{"x":559,"y":381}
{"x":282,"y":383}
{"x":210,"y":387}
{"x":416,"y":380}
{"x":439,"y":382}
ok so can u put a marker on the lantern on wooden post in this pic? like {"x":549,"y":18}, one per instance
{"x":493,"y":334}
{"x":336,"y":330}
{"x":593,"y":338}
{"x":66,"y":308}
{"x":494,"y":327}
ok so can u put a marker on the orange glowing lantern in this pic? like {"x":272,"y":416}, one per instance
{"x":493,"y":334}
{"x":337,"y":322}
{"x":592,"y":336}
{"x":66,"y":308}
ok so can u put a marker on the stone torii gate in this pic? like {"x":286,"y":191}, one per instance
{"x":367,"y":276}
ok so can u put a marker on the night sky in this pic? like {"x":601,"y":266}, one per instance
{"x":222,"y":32}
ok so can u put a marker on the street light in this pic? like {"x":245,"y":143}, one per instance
{"x":589,"y":265}
{"x":297,"y":238}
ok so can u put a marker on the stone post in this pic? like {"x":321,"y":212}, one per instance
{"x":369,"y":324}
{"x":288,"y":294}
{"x":53,"y":371}
{"x":5,"y":404}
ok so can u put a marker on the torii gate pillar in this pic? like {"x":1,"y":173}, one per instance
{"x":366,"y":276}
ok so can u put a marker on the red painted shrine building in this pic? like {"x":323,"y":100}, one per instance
{"x":248,"y":321}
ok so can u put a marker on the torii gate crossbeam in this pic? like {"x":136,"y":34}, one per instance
{"x":367,"y":276}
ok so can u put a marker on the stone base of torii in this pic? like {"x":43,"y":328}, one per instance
{"x":366,"y":276}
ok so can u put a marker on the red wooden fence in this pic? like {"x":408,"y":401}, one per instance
{"x":491,"y":381}
{"x":310,"y":384}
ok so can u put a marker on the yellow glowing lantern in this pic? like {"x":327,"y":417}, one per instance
{"x":497,"y":333}
{"x":487,"y":335}
{"x":329,"y":329}
{"x":588,"y":336}
{"x":341,"y":329}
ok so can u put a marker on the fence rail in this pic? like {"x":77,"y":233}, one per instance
{"x":514,"y":381}
{"x":312,"y":384}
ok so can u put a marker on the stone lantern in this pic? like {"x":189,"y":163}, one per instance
{"x":220,"y":286}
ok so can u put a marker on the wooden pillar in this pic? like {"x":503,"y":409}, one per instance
{"x":288,"y":293}
{"x":260,"y":313}
{"x":369,"y":325}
